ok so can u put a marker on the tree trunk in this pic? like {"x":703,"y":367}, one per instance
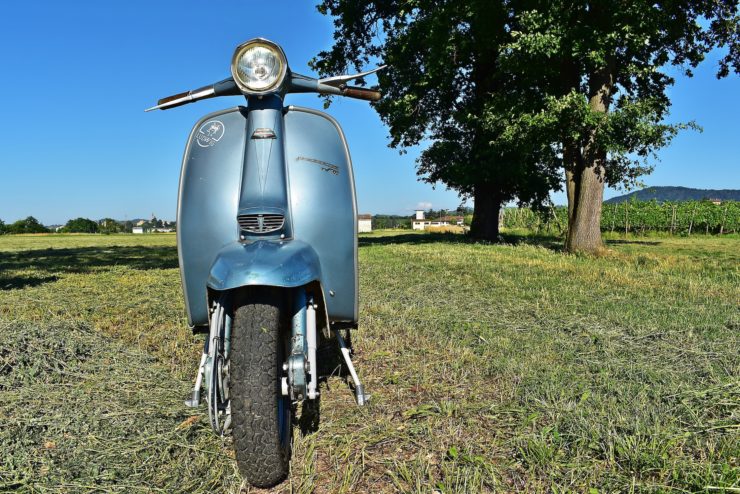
{"x":584,"y":229}
{"x":570,"y":189}
{"x":486,"y":209}
{"x":585,"y":178}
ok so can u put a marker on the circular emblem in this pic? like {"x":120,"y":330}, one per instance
{"x":210,"y":133}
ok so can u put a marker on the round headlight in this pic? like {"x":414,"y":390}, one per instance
{"x":258,"y":66}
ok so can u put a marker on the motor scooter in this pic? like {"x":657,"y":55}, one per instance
{"x":267,"y":246}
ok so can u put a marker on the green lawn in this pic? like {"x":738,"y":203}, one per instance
{"x":508,"y":368}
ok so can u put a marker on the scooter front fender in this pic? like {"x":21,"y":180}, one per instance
{"x":286,"y":264}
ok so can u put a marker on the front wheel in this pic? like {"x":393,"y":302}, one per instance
{"x":261,"y":415}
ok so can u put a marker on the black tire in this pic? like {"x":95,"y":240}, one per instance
{"x":260,"y":415}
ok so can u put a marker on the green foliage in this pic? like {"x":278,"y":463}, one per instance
{"x":440,"y":84}
{"x":27,"y":225}
{"x":602,"y":72}
{"x":638,"y":217}
{"x":2,"y":227}
{"x":385,"y":221}
{"x":80,"y":225}
{"x":109,"y":225}
{"x":505,"y":95}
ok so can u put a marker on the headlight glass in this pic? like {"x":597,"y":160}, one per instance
{"x":258,"y":66}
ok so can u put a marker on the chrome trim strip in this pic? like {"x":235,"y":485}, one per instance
{"x":338,"y":80}
{"x":191,"y":96}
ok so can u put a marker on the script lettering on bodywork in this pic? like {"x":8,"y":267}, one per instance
{"x":325,"y":167}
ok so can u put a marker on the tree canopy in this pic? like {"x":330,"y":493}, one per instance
{"x":438,"y":89}
{"x":109,"y":225}
{"x":511,"y":97}
{"x":27,"y":225}
{"x":80,"y":225}
{"x":602,"y":69}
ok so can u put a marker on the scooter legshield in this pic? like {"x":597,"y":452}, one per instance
{"x":231,"y":166}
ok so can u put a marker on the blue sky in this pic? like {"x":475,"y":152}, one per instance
{"x":76,"y":77}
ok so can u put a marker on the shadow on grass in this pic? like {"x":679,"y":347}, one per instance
{"x":17,"y":282}
{"x":632,"y":242}
{"x":48,"y":263}
{"x":415,"y":238}
{"x":548,"y":241}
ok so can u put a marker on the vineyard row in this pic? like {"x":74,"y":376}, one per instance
{"x":682,"y":218}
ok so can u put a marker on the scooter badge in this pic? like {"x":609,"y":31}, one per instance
{"x":210,"y":133}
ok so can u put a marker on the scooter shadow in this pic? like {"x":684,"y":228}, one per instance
{"x":331,"y":364}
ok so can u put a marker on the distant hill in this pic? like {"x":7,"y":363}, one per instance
{"x":673,"y":194}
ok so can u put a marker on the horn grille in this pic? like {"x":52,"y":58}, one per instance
{"x":260,"y":223}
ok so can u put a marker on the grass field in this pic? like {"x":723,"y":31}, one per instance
{"x":504,"y":368}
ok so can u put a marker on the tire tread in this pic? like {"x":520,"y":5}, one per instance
{"x":255,"y":341}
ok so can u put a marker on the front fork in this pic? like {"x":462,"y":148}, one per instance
{"x":302,"y":380}
{"x":301,"y":366}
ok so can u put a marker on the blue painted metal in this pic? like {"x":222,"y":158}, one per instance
{"x":207,"y":205}
{"x":264,"y":187}
{"x":305,"y":172}
{"x":284,"y":264}
{"x":323,"y":204}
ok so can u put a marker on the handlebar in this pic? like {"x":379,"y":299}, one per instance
{"x":227,"y":87}
{"x":296,"y":84}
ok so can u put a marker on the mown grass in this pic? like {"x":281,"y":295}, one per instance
{"x":507,"y":368}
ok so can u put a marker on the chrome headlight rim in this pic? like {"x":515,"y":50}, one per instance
{"x":243,"y":85}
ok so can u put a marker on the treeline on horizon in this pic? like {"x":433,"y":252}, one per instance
{"x":678,"y":217}
{"x":80,"y":225}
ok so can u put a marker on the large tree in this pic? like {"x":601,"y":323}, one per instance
{"x":509,"y":92}
{"x":439,"y":87}
{"x":603,"y":67}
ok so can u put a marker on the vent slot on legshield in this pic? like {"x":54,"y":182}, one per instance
{"x":260,"y":223}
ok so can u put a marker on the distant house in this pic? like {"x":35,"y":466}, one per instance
{"x":421,"y":223}
{"x":137,"y":229}
{"x":364,"y":223}
{"x":716,"y":202}
{"x":140,"y":222}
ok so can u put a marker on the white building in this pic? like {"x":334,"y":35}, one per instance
{"x":421,"y":223}
{"x":364,"y":223}
{"x":137,"y":229}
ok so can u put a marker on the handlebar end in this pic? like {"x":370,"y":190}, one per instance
{"x":362,"y":93}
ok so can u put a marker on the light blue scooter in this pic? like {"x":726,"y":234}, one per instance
{"x":267,"y":243}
